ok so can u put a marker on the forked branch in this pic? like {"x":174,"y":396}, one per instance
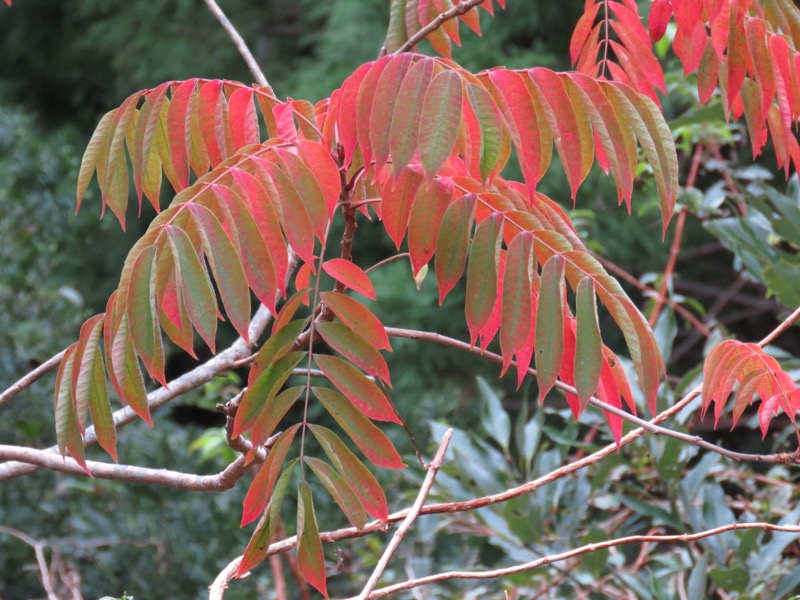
{"x":455,"y":12}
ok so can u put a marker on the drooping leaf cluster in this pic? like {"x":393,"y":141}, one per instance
{"x":420,"y":144}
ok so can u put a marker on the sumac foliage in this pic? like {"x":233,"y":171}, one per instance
{"x":420,"y":144}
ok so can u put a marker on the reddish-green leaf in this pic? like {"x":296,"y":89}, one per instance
{"x":275,"y":347}
{"x":67,"y":431}
{"x":289,"y":309}
{"x":142,"y":315}
{"x":339,"y":490}
{"x":178,"y":126}
{"x":359,"y":318}
{"x":347,"y":342}
{"x":95,"y":153}
{"x":226,"y":264}
{"x":550,"y":324}
{"x":492,"y":152}
{"x":352,"y":469}
{"x":264,"y":482}
{"x":383,"y":102}
{"x":308,"y":188}
{"x":429,"y":207}
{"x":263,"y":391}
{"x":260,"y":540}
{"x":350,"y":275}
{"x":404,"y":130}
{"x":272,"y":413}
{"x":371,"y":440}
{"x":452,"y":243}
{"x":195,"y":286}
{"x":482,"y":274}
{"x":128,"y":374}
{"x":440,"y":121}
{"x":320,"y":161}
{"x":515,"y":321}
{"x":398,"y":197}
{"x":588,"y":354}
{"x":310,"y":557}
{"x":364,"y":104}
{"x":357,"y":388}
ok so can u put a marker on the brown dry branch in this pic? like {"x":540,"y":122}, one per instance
{"x":41,"y":561}
{"x":546,"y":560}
{"x":458,"y":10}
{"x":413,"y":513}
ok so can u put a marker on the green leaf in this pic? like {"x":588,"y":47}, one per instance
{"x":355,"y":348}
{"x":550,"y":325}
{"x":195,"y":286}
{"x":95,"y":153}
{"x":440,"y":121}
{"x":142,"y":316}
{"x":67,"y":431}
{"x":272,"y":413}
{"x":128,"y":374}
{"x":588,"y":345}
{"x":404,"y":130}
{"x":275,"y":348}
{"x":339,"y":490}
{"x":310,"y":557}
{"x":357,"y":388}
{"x":352,"y":469}
{"x":491,"y":128}
{"x":452,"y":243}
{"x":482,"y":274}
{"x":494,"y":418}
{"x":371,"y":440}
{"x":263,"y":391}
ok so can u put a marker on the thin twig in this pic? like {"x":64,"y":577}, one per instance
{"x":458,"y":10}
{"x":27,"y":380}
{"x":239,"y":42}
{"x":41,"y":560}
{"x":674,"y":250}
{"x":433,"y":468}
{"x":633,"y":539}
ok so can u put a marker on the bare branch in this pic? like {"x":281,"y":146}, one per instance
{"x":41,"y":560}
{"x":546,"y":560}
{"x":391,"y":548}
{"x":239,"y":42}
{"x":224,"y":480}
{"x":27,"y":380}
{"x":458,"y":10}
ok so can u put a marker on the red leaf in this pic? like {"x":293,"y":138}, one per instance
{"x":243,"y":119}
{"x":580,"y":34}
{"x":357,"y":388}
{"x":350,"y":275}
{"x":358,"y":317}
{"x":351,"y":468}
{"x":346,"y":115}
{"x":319,"y":160}
{"x":371,"y":440}
{"x":660,"y":14}
{"x":383,"y":102}
{"x":516,"y":299}
{"x":427,"y":212}
{"x":178,"y":128}
{"x":398,"y":197}
{"x":258,"y":495}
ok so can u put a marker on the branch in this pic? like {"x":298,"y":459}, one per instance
{"x":546,"y":560}
{"x":38,"y":548}
{"x":224,"y":480}
{"x":223,"y":361}
{"x":650,"y":427}
{"x":27,"y":380}
{"x":456,"y":11}
{"x":239,"y":42}
{"x":433,"y":468}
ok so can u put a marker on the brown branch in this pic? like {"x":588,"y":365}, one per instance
{"x":391,"y":548}
{"x":224,"y":480}
{"x":27,"y":380}
{"x":456,"y":11}
{"x":546,"y":560}
{"x":223,"y":361}
{"x":674,"y":250}
{"x":239,"y":42}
